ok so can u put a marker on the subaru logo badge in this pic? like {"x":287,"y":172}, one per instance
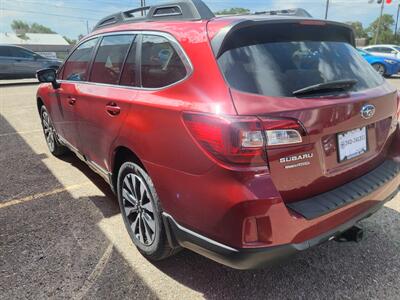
{"x":368,"y":111}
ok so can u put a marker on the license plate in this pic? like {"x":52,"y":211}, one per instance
{"x":352,"y":143}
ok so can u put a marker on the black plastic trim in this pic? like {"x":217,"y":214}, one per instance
{"x":185,"y":10}
{"x":220,"y":39}
{"x":361,"y":187}
{"x":253,"y":258}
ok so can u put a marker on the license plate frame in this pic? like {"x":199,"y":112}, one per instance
{"x":355,"y":139}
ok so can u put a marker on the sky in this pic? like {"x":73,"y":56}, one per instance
{"x":74,"y":17}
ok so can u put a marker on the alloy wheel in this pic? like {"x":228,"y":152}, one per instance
{"x":49,"y":131}
{"x":380,"y":69}
{"x":138,"y":209}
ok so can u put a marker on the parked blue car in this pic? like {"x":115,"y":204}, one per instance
{"x":383,"y":65}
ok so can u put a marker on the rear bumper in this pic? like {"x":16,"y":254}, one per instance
{"x":251,"y":258}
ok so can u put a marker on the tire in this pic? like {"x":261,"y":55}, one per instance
{"x":380,"y":68}
{"x":50,"y":134}
{"x":141,"y":212}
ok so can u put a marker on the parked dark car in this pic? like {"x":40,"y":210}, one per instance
{"x":18,"y":62}
{"x":245,"y":139}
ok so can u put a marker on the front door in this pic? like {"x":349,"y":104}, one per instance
{"x":74,"y":75}
{"x":103,"y":104}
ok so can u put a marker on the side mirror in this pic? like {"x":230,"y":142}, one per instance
{"x":393,"y":52}
{"x":35,"y":56}
{"x":48,"y":75}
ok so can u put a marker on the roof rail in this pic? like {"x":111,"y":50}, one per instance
{"x":189,"y":10}
{"x":297,"y":12}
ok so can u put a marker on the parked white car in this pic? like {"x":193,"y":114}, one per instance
{"x":384,"y":50}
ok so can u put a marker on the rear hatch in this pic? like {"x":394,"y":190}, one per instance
{"x":309,"y":71}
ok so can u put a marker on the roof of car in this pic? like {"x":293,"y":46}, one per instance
{"x":188,"y":10}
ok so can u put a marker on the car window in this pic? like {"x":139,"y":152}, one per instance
{"x":76,"y":67}
{"x":161,"y":64}
{"x":256,"y":62}
{"x":373,"y":49}
{"x":385,"y":50}
{"x":130,"y":73}
{"x":5,"y":51}
{"x":22,"y":53}
{"x":109,"y":59}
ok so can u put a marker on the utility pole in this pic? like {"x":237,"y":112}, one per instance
{"x":141,"y":5}
{"x":327,"y":9}
{"x":397,"y":22}
{"x":379,"y":22}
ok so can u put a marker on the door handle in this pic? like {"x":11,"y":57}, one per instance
{"x":113,"y":109}
{"x":71,"y":100}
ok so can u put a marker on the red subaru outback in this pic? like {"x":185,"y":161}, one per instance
{"x":245,"y":138}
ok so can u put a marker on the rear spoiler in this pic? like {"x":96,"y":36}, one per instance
{"x":221,"y":39}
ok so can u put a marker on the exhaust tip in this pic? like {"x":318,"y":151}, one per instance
{"x":354,"y":234}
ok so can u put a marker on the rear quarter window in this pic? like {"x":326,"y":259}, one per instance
{"x":161,"y":64}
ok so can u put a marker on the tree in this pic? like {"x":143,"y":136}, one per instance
{"x":386,"y":35}
{"x":21,"y":27}
{"x":38,"y":28}
{"x":359,"y":29}
{"x":233,"y":11}
{"x":70,"y":41}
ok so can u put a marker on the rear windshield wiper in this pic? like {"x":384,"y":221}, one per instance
{"x":341,"y":85}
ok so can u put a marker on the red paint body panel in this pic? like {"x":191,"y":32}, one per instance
{"x":203,"y":195}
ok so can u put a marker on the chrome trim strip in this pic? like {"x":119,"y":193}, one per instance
{"x":92,"y":165}
{"x":182,"y":54}
{"x":199,"y":236}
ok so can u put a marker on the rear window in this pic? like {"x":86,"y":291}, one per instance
{"x":261,"y":62}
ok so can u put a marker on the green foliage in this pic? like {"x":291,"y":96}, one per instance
{"x":359,"y":29}
{"x":22,"y":28}
{"x":386,"y":35}
{"x":38,"y":28}
{"x":70,"y":41}
{"x":233,"y":11}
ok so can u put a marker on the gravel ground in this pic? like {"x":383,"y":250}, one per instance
{"x":62,"y":237}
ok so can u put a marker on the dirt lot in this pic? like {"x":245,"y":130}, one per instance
{"x":61,"y":236}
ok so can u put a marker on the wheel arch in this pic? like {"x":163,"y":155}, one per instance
{"x":39,"y":103}
{"x":120,"y":155}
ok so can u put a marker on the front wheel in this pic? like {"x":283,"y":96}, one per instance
{"x":379,"y":68}
{"x":141,"y":212}
{"x":50,"y":134}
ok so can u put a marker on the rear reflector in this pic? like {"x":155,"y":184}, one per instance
{"x":241,"y":140}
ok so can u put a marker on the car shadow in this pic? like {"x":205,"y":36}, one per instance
{"x":62,"y":253}
{"x":50,"y":242}
{"x":332,"y":270}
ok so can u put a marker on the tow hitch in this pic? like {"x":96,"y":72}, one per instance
{"x":354,"y":234}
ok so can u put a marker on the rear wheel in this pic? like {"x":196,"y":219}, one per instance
{"x":380,"y":68}
{"x":141,"y":212}
{"x":50,"y":134}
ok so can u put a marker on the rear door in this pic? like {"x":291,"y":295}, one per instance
{"x":345,"y":132}
{"x":103,"y":103}
{"x":74,"y":78}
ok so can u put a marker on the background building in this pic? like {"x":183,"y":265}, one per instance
{"x":46,"y":44}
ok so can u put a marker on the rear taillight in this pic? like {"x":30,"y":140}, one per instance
{"x":237,"y":140}
{"x":398,"y":108}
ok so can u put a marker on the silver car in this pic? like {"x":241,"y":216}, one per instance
{"x":18,"y":62}
{"x":392,"y":51}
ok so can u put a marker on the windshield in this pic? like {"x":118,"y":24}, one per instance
{"x":397,"y":48}
{"x":280,"y":68}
